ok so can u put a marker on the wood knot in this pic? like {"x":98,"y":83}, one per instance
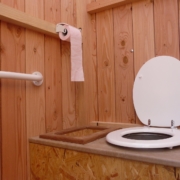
{"x":125,"y":60}
{"x":9,"y":27}
{"x":106,"y":63}
{"x":2,"y":49}
{"x":18,"y":31}
{"x":123,"y":99}
{"x":132,"y":121}
{"x":35,"y":50}
{"x":114,"y":175}
{"x":123,"y":43}
{"x":55,"y":115}
{"x":23,"y":47}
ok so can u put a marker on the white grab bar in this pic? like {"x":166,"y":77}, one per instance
{"x":36,"y":77}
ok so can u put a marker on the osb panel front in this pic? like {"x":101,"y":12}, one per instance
{"x":50,"y":163}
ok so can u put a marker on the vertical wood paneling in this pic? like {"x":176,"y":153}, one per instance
{"x":80,"y":91}
{"x":106,"y":93}
{"x":53,"y":84}
{"x":143,"y":33}
{"x":105,"y":59}
{"x":86,"y":92}
{"x":68,"y":87}
{"x":124,"y":66}
{"x":14,"y":141}
{"x":53,"y":70}
{"x":166,"y":28}
{"x":35,"y":96}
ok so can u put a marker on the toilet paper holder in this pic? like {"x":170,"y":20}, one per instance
{"x":60,"y":28}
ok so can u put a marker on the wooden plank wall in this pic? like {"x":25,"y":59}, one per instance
{"x":124,"y":64}
{"x":13,"y":104}
{"x":149,"y":28}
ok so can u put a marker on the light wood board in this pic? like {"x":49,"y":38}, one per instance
{"x":105,"y":65}
{"x":166,"y":28}
{"x":124,"y":63}
{"x":53,"y":71}
{"x":68,"y":87}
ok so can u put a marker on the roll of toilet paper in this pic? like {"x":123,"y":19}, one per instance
{"x":73,"y":36}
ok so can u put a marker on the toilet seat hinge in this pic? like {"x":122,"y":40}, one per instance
{"x":149,"y":122}
{"x":172,"y":124}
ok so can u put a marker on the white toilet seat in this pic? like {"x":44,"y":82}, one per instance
{"x":116,"y":138}
{"x":156,"y":97}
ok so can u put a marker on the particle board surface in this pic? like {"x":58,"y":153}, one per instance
{"x":58,"y":163}
{"x":163,"y":156}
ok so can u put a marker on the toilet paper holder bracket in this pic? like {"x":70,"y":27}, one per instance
{"x":60,"y":28}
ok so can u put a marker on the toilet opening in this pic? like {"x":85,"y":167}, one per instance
{"x":146,"y":136}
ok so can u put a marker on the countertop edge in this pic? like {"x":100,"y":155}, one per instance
{"x":115,"y":151}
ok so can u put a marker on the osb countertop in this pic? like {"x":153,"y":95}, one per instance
{"x":168,"y":157}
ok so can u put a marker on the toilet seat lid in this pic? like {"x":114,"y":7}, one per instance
{"x":156,"y":92}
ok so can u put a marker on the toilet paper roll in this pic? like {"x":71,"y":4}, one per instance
{"x":73,"y":36}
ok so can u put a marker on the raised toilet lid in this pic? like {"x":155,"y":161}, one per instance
{"x":156,"y":92}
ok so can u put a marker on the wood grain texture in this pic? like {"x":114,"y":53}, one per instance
{"x":53,"y":71}
{"x":13,"y":104}
{"x":143,"y":33}
{"x":52,"y":12}
{"x":124,"y":64}
{"x":80,"y":91}
{"x":86,"y":92}
{"x":105,"y":59}
{"x":68,"y":87}
{"x":25,"y":20}
{"x":79,"y":135}
{"x":166,"y":28}
{"x":53,"y":74}
{"x":102,"y":5}
{"x":114,"y":124}
{"x":35,"y":97}
{"x":95,"y":99}
{"x":57,"y":163}
{"x":13,"y":121}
